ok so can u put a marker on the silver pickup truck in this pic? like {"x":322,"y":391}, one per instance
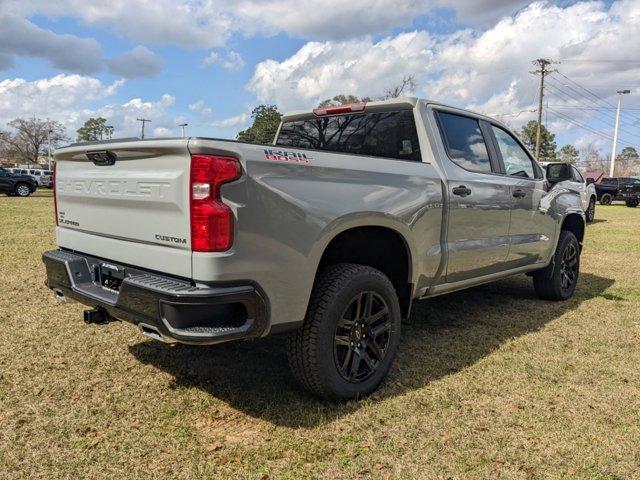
{"x":328,"y":234}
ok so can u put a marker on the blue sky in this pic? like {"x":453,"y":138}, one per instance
{"x":209,"y":62}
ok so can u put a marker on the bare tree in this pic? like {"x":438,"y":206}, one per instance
{"x":593,"y":159}
{"x":342,"y":99}
{"x":407,"y":85}
{"x":27,"y":139}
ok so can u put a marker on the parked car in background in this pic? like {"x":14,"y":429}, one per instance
{"x":328,"y":233}
{"x":586,"y":189}
{"x":631,"y":194}
{"x":41,"y":177}
{"x":610,"y":188}
{"x":13,"y":184}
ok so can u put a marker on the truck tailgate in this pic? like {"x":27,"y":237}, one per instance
{"x":127,"y":201}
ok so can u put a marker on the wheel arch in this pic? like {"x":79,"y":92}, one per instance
{"x":377,"y":245}
{"x":574,"y":223}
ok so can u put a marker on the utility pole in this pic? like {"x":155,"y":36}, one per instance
{"x":615,"y":131}
{"x":143,"y":121}
{"x":543,"y":70}
{"x":183,"y":125}
{"x":49,"y":130}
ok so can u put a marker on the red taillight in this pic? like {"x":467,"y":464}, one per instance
{"x":351,"y":108}
{"x":211,"y":219}
{"x":53,"y":186}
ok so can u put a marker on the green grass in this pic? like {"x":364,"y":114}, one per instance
{"x":488,"y":383}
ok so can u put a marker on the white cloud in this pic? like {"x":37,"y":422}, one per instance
{"x":322,"y":70}
{"x":124,"y":116}
{"x":139,"y":62}
{"x":70,"y":98}
{"x":20,"y":37}
{"x":235,"y":121}
{"x":232,"y":61}
{"x":209,"y":23}
{"x":200,"y":107}
{"x":487,"y":70}
{"x":58,"y":97}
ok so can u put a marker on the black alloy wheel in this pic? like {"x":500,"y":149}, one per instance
{"x":569,"y":268}
{"x":362,"y":337}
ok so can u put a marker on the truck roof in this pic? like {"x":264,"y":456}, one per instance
{"x":399,"y":103}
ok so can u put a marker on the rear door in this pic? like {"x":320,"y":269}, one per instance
{"x":479,"y":200}
{"x":531,"y":230}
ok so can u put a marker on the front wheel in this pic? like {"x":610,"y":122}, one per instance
{"x":558,"y":281}
{"x":23,"y":190}
{"x":590,"y":214}
{"x":632,"y":203}
{"x":350,"y":334}
{"x":606,"y":199}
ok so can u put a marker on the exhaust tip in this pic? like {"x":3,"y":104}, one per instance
{"x":151,"y":332}
{"x":59,"y":295}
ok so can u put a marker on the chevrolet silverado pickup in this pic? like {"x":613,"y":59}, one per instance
{"x":327,"y":234}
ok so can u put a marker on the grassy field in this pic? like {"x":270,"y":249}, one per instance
{"x":489,"y":383}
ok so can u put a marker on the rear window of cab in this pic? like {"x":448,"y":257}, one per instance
{"x":389,"y":134}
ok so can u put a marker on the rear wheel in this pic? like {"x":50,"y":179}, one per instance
{"x":350,"y":335}
{"x":590,"y":214}
{"x":606,"y":199}
{"x":558,"y":281}
{"x":23,"y":190}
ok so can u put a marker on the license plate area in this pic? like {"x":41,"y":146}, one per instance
{"x":110,"y":276}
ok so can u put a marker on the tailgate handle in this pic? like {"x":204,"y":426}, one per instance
{"x":103,"y":158}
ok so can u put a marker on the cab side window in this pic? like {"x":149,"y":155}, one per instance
{"x":464,"y":142}
{"x":516,"y":161}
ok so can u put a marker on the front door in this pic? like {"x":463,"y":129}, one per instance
{"x":531,"y":229}
{"x":479,"y":200}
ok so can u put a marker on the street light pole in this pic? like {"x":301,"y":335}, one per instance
{"x":183,"y":125}
{"x":615,"y":131}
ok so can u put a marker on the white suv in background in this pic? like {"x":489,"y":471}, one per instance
{"x":41,"y":177}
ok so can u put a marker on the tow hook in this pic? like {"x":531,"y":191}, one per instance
{"x":97,"y":316}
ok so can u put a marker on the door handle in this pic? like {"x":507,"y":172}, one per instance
{"x":461,"y":191}
{"x":519,"y":193}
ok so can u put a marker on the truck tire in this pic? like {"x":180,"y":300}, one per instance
{"x":350,"y":335}
{"x":558,"y":281}
{"x":23,"y":190}
{"x":606,"y":199}
{"x":632,"y":203}
{"x":590,"y":214}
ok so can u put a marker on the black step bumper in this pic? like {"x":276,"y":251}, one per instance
{"x":178,"y":310}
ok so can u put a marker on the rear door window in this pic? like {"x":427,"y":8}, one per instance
{"x":464,"y":142}
{"x":377,"y":134}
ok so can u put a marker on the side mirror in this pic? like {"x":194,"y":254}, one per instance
{"x":558,"y":172}
{"x":590,"y":181}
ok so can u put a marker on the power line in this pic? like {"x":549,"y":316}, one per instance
{"x":587,"y":127}
{"x":593,"y":94}
{"x":571,"y":98}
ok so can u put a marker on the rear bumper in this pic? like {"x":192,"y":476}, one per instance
{"x":179,"y":311}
